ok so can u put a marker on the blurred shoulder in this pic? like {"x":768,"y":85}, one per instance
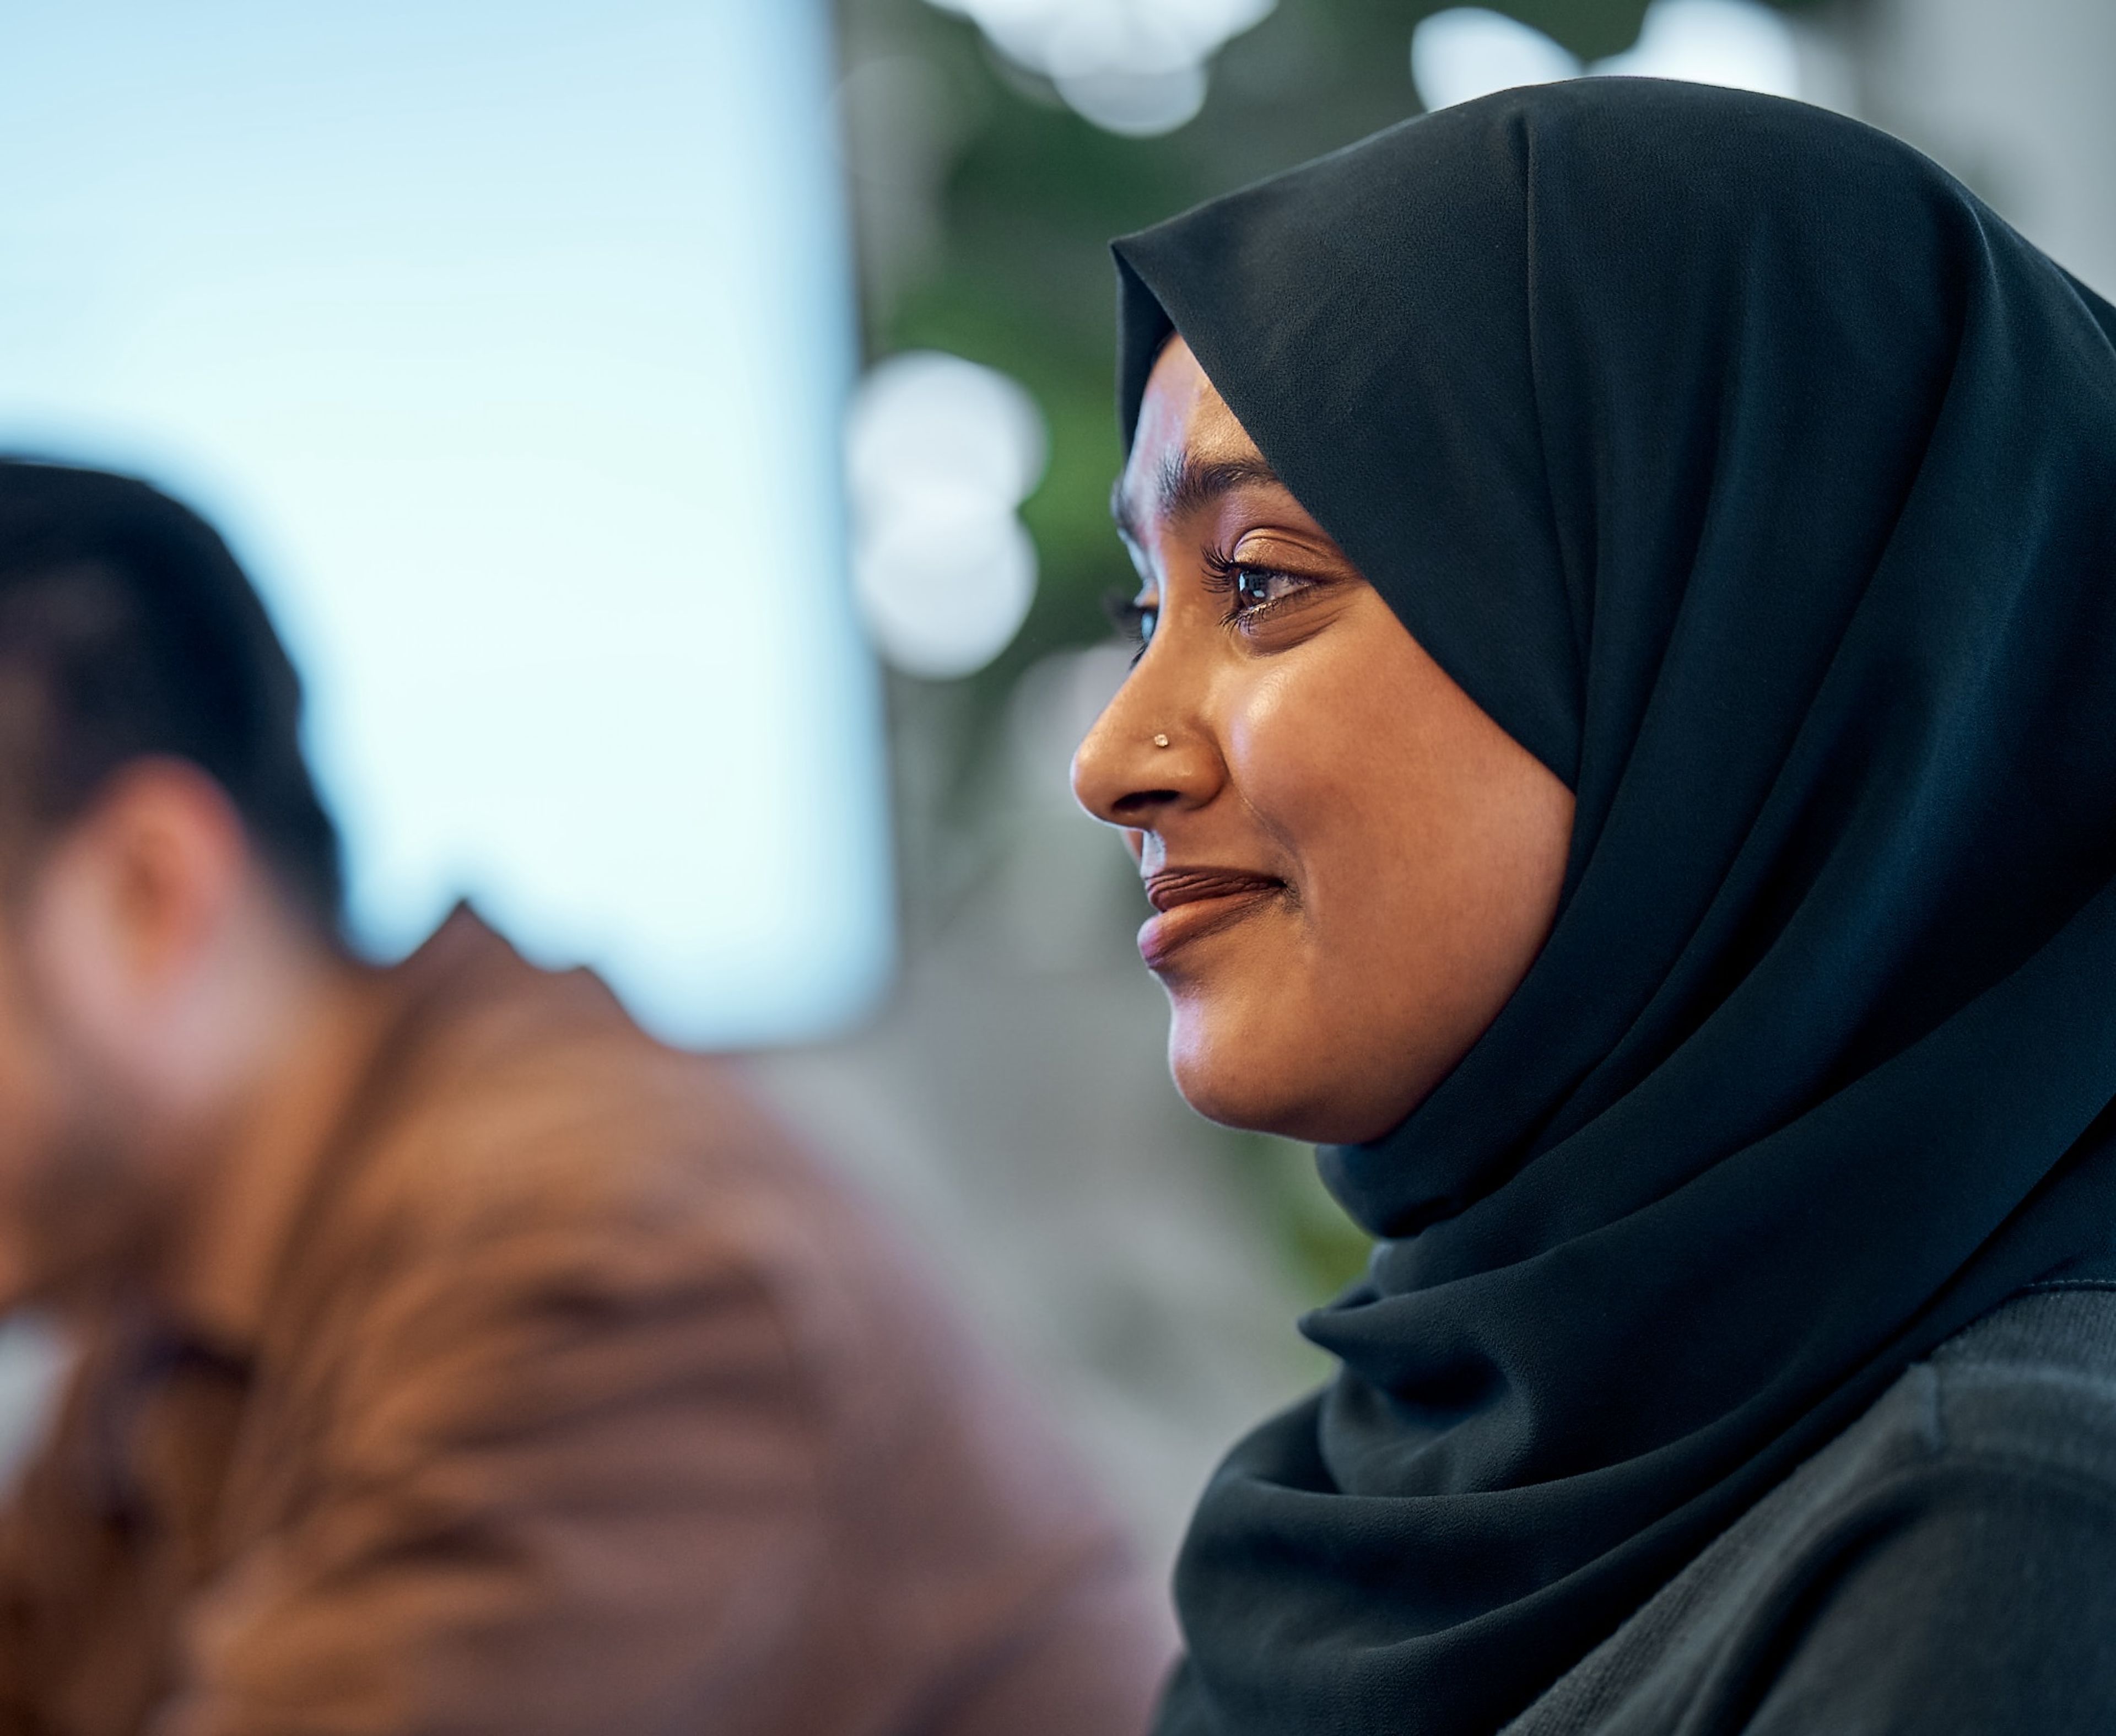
{"x":546,"y":1196}
{"x":519,"y":1099}
{"x":532,"y":1144}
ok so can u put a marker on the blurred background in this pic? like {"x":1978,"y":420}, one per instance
{"x":675,"y":437}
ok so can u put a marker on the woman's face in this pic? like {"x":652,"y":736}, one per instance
{"x":1351,"y":865}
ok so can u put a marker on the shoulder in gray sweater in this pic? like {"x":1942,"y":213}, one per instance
{"x":1946,"y":1565}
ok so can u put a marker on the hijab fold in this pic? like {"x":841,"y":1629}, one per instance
{"x":1760,"y":481}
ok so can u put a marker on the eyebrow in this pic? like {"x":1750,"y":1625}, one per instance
{"x":1186,"y":483}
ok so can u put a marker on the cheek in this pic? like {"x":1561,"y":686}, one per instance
{"x":30,"y":1099}
{"x":1291,"y":761}
{"x":1328,"y":760}
{"x":1299,"y":1020}
{"x":1423,"y":858}
{"x":33,"y":1129}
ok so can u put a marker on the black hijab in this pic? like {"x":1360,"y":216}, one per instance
{"x":1762,"y":482}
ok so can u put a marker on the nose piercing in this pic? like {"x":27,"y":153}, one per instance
{"x":1160,"y":741}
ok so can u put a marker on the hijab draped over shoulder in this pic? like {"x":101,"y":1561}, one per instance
{"x":1762,"y":482}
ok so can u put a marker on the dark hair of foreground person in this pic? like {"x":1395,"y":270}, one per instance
{"x":450,"y":1356}
{"x":1739,"y":1350}
{"x":127,"y":630}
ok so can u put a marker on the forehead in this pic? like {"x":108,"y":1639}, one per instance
{"x":1185,"y":429}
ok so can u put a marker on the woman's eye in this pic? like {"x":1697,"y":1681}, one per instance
{"x":1257,"y":587}
{"x":1134,"y":617}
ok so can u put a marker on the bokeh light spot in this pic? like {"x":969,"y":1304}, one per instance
{"x":939,"y":454}
{"x":1131,"y":67}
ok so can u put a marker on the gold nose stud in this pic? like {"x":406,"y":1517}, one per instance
{"x":1160,"y":741}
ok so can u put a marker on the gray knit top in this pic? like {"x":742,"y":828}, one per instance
{"x":1948,"y":1564}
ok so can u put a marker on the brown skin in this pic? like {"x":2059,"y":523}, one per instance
{"x":1355,"y":866}
{"x":163,"y":1012}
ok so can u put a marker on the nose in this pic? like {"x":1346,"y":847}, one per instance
{"x":1144,"y":756}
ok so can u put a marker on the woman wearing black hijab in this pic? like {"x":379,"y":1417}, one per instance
{"x":1624,"y":756}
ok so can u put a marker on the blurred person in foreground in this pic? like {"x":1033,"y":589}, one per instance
{"x":451,"y":1355}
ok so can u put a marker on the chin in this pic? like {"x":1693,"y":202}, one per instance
{"x":1214,"y":1063}
{"x":1215,"y":1079}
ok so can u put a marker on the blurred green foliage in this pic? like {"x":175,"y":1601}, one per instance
{"x":1323,"y":1250}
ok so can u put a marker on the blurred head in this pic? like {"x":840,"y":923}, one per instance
{"x":164,"y":857}
{"x":1352,"y":866}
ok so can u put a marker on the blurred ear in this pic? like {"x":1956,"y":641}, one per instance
{"x":132,"y":894}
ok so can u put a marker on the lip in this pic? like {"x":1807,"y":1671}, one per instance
{"x":1190,"y":902}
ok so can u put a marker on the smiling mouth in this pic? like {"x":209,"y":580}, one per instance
{"x":1191,"y":903}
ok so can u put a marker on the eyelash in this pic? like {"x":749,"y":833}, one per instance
{"x":1224,"y":576}
{"x":1228,"y":576}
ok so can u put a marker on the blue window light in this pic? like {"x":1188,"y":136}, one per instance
{"x":508,"y":344}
